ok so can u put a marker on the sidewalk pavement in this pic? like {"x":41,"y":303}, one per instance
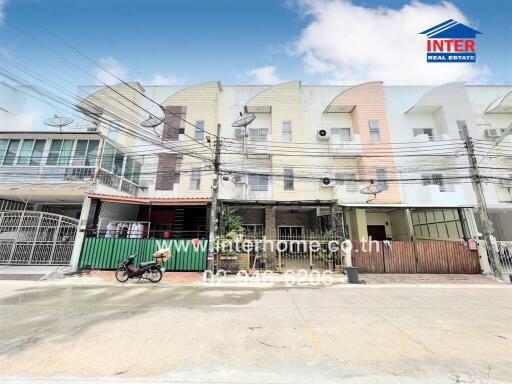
{"x":28,"y":272}
{"x":56,"y":273}
{"x":366,"y":279}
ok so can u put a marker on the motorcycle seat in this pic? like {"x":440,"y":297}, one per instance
{"x":147,"y":264}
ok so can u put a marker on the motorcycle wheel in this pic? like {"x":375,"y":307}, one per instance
{"x":155,"y":275}
{"x":122,"y":275}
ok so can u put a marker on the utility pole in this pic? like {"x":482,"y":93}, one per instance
{"x":214,"y":207}
{"x":482,"y":206}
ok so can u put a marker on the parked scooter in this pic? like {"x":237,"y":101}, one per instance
{"x":150,"y":270}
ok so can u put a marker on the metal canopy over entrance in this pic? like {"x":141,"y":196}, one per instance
{"x":36,"y":238}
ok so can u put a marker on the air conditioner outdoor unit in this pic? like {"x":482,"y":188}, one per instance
{"x":328,"y":182}
{"x":240,"y":133}
{"x":492,"y":133}
{"x":323,"y":134}
{"x":238,"y":179}
{"x":144,"y":183}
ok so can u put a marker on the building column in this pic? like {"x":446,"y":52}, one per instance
{"x":270,"y":223}
{"x":401,"y":224}
{"x":80,"y":234}
{"x":358,"y":227}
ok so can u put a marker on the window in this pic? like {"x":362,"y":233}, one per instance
{"x":112,"y":160}
{"x":258,"y":183}
{"x":25,"y":152}
{"x":340,"y":135}
{"x":195,"y":179}
{"x":287,"y":131}
{"x":79,"y":155}
{"x":132,"y":170}
{"x":108,"y":157}
{"x":85,"y":152}
{"x":382,"y":177}
{"x":199,"y":133}
{"x":113,"y":131}
{"x":424,"y":131}
{"x":92,"y":152}
{"x":461,"y":124}
{"x":258,"y":134}
{"x":348,"y":180}
{"x":253,"y":231}
{"x":12,"y":150}
{"x":4,"y":143}
{"x":436,"y":179}
{"x":60,"y":152}
{"x":37,"y":152}
{"x":374,"y":130}
{"x":288,"y":179}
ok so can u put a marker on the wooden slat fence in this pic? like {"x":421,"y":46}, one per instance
{"x":415,"y":257}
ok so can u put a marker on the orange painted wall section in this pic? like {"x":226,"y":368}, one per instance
{"x":370,"y":103}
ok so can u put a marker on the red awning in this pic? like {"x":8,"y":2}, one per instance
{"x":151,"y":200}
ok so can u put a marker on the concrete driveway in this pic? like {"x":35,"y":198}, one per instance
{"x":344,"y":333}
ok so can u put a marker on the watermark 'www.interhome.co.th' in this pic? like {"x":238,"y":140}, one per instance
{"x":243,"y":245}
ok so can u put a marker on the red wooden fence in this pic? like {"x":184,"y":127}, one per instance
{"x":414,"y":257}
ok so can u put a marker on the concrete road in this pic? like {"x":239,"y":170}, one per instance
{"x":349,"y":334}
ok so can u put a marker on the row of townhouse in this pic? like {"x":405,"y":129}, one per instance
{"x":297,"y":169}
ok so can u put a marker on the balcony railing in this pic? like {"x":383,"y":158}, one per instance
{"x":111,"y":180}
{"x":46,"y":173}
{"x":341,"y":147}
{"x":258,"y":147}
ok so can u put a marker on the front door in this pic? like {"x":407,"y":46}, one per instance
{"x":376,"y":232}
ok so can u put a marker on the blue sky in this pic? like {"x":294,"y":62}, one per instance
{"x":264,"y":41}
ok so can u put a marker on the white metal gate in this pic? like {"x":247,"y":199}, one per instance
{"x":36,"y":238}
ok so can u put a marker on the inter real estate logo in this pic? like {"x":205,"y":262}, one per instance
{"x":451,"y":42}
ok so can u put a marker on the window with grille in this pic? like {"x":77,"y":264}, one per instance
{"x":424,"y":131}
{"x":348,"y":180}
{"x":460,"y":125}
{"x":195,"y":179}
{"x":258,"y":183}
{"x":382,"y":176}
{"x":253,"y":231}
{"x":258,"y":134}
{"x":288,"y":179}
{"x":199,"y":133}
{"x":374,"y":127}
{"x":287,"y":131}
{"x":436,"y":179}
{"x":340,"y":135}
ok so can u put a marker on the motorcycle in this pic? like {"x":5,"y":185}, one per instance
{"x":150,"y":270}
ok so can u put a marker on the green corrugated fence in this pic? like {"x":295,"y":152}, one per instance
{"x":101,"y":253}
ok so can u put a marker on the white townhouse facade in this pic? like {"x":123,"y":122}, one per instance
{"x":298,"y":168}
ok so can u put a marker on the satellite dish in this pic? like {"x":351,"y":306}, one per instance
{"x":373,"y":189}
{"x":244,"y":120}
{"x":152,"y":122}
{"x":58,"y":121}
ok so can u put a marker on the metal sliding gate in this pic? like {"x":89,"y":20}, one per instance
{"x":36,"y":238}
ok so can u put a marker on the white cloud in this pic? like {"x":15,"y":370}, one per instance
{"x":350,"y":44}
{"x":3,"y":4}
{"x":159,"y":79}
{"x":264,"y":75}
{"x":112,"y":67}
